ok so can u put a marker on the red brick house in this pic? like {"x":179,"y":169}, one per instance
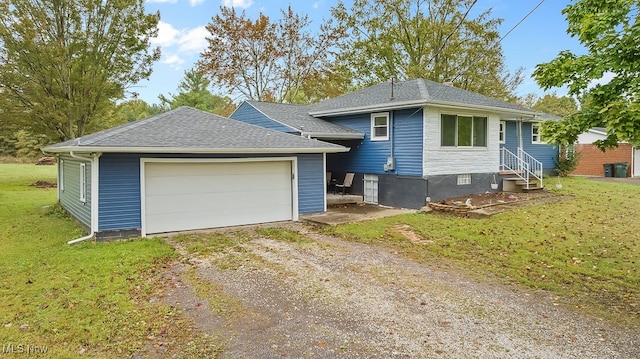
{"x":593,"y":159}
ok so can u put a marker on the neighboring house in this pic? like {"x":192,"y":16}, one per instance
{"x":416,"y":140}
{"x":188,"y":169}
{"x":592,"y":159}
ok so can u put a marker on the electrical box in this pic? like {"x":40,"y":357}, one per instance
{"x":390,"y":165}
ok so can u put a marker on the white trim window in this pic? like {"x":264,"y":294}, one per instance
{"x":380,"y":126}
{"x":83,"y":183}
{"x":535,"y":133}
{"x":502,"y":132}
{"x":464,"y":178}
{"x":463,"y":131}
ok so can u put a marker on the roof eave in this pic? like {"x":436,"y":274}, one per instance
{"x":361,"y":109}
{"x":532,"y":114}
{"x":334,"y":136}
{"x":90,"y":149}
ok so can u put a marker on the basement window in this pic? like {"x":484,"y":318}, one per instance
{"x":464,"y":178}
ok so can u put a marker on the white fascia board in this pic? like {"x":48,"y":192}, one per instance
{"x":334,"y":136}
{"x":460,"y":106}
{"x":374,"y":108}
{"x":91,"y":149}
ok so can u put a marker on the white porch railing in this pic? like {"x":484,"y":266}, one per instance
{"x":522,"y":165}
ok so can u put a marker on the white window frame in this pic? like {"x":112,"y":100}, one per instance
{"x":61,"y":168}
{"x":464,"y":179}
{"x":83,"y":183}
{"x":502,"y":132}
{"x":473,"y":134}
{"x":535,"y":133}
{"x":373,"y":126}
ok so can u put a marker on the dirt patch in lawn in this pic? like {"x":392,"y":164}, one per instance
{"x":494,"y":202}
{"x":44,"y":184}
{"x":318,"y":296}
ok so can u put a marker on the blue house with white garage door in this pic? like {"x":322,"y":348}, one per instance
{"x":418,"y":140}
{"x":187,"y":169}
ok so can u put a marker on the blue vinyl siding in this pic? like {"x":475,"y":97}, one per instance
{"x":310,"y":183}
{"x":408,"y":142}
{"x":543,"y":152}
{"x":119,"y":206}
{"x":120,"y":201}
{"x":70,"y":196}
{"x":248,"y":114}
{"x":368,"y":156}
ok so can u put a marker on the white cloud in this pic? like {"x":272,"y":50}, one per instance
{"x":195,"y":2}
{"x":173,"y":60}
{"x":316,"y":5}
{"x":187,"y":40}
{"x":605,"y":79}
{"x":194,"y":39}
{"x":167,"y":35}
{"x":237,"y":3}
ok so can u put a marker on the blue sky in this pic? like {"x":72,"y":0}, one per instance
{"x":537,"y":39}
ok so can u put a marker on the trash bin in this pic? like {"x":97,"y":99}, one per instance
{"x":608,"y":169}
{"x":621,"y":169}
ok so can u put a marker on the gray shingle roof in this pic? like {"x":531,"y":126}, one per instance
{"x":193,"y":131}
{"x":297,"y":117}
{"x":408,"y":93}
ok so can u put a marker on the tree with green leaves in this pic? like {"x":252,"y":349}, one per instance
{"x":63,"y":63}
{"x":610,"y":32}
{"x":561,"y":106}
{"x":193,"y":91}
{"x":265,"y":60}
{"x":431,"y":39}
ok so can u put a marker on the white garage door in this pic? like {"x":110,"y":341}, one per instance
{"x":185,"y":196}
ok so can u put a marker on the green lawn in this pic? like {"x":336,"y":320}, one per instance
{"x":586,"y":249}
{"x":89,"y":299}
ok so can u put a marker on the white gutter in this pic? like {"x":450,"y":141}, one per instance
{"x":181,"y":150}
{"x":94,"y":195}
{"x":411,"y":104}
{"x":334,"y":136}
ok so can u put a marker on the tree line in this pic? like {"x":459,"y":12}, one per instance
{"x":66,"y":67}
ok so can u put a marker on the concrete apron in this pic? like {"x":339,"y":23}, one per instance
{"x":352,"y":213}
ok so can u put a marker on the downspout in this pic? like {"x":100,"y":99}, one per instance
{"x":94,"y":198}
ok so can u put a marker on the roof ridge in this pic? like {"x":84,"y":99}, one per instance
{"x":422,"y":86}
{"x":126,"y":127}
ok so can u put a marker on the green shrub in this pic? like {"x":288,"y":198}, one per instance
{"x":567,"y":160}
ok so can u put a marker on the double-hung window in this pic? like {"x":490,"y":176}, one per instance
{"x":380,"y":126}
{"x":463,"y":131}
{"x":535,"y":133}
{"x":502,"y":132}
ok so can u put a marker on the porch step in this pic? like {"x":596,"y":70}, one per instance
{"x":517,"y":184}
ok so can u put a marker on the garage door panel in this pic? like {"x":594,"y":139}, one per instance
{"x":196,"y":202}
{"x":184,"y":196}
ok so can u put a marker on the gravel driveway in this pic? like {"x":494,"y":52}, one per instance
{"x":328,"y":298}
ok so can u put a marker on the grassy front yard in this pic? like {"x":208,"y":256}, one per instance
{"x":89,"y":299}
{"x":587,"y":249}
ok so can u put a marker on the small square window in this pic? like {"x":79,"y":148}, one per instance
{"x":380,"y":126}
{"x":464,"y":179}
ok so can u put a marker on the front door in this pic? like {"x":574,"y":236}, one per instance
{"x":371,"y":189}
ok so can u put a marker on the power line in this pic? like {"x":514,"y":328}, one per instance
{"x":502,"y":38}
{"x":444,"y":43}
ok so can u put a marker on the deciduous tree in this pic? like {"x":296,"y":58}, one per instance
{"x":63,"y":63}
{"x":431,"y":39}
{"x":266,"y":60}
{"x":610,"y":32}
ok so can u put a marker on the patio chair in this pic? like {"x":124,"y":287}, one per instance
{"x":346,"y":184}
